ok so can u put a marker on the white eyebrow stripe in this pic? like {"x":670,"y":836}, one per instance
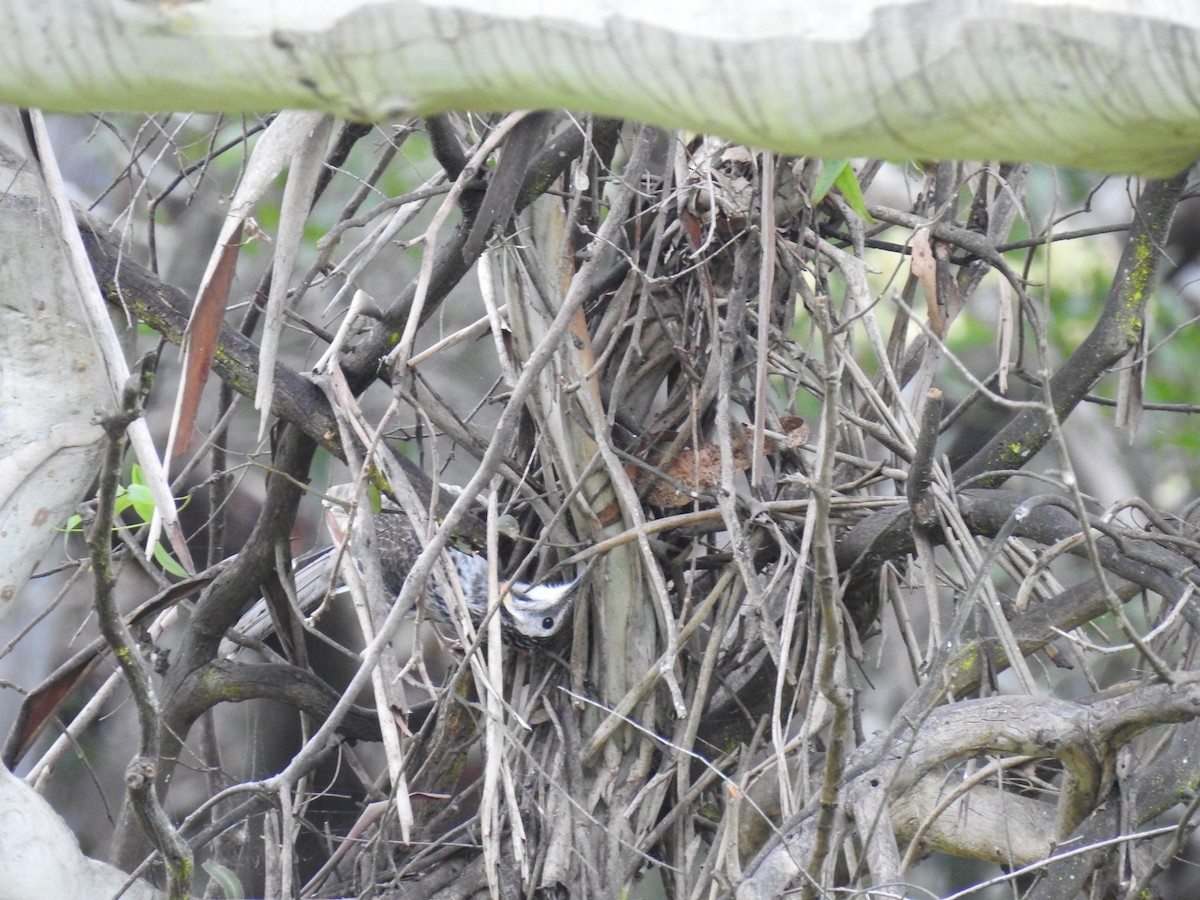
{"x":537,"y":597}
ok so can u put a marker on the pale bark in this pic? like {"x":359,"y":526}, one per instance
{"x":52,"y":383}
{"x":1102,"y":84}
{"x":41,"y":856}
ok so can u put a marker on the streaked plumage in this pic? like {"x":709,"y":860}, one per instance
{"x":530,"y":614}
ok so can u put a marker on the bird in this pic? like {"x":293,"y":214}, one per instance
{"x":531,"y":614}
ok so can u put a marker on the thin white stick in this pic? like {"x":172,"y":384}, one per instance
{"x":108,"y":345}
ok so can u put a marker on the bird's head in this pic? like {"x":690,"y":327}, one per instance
{"x":536,"y":612}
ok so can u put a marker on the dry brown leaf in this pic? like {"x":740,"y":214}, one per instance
{"x":699,"y":471}
{"x":924,"y":269}
{"x":796,"y":432}
{"x":200,"y":341}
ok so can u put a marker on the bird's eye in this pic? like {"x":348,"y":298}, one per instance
{"x":547,"y":623}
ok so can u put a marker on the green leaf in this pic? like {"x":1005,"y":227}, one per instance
{"x":840,"y":174}
{"x":142,"y":500}
{"x":231,"y":885}
{"x":74,"y":526}
{"x":831,"y":170}
{"x":121,"y":502}
{"x":167,"y":561}
{"x":847,"y":183}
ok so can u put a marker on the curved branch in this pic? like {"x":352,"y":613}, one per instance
{"x":227,"y":681}
{"x":233,"y":590}
{"x":888,"y":535}
{"x":1116,"y":332}
{"x":1154,"y":567}
{"x":1151,"y":790}
{"x":165,"y":308}
{"x":1040,"y":626}
{"x":887,"y":766}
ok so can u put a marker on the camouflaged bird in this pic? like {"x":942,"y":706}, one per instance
{"x":530,"y":614}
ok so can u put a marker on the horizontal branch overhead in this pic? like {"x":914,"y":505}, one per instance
{"x":1112,"y":85}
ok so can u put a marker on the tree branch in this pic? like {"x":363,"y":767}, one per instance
{"x":889,"y":765}
{"x":1116,"y":332}
{"x":224,"y":680}
{"x":749,"y":72}
{"x":141,"y":773}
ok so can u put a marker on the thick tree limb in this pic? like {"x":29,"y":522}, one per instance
{"x":127,"y":284}
{"x":1116,"y":331}
{"x":1091,"y":84}
{"x":224,"y":680}
{"x":889,"y":765}
{"x":1152,"y":790}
